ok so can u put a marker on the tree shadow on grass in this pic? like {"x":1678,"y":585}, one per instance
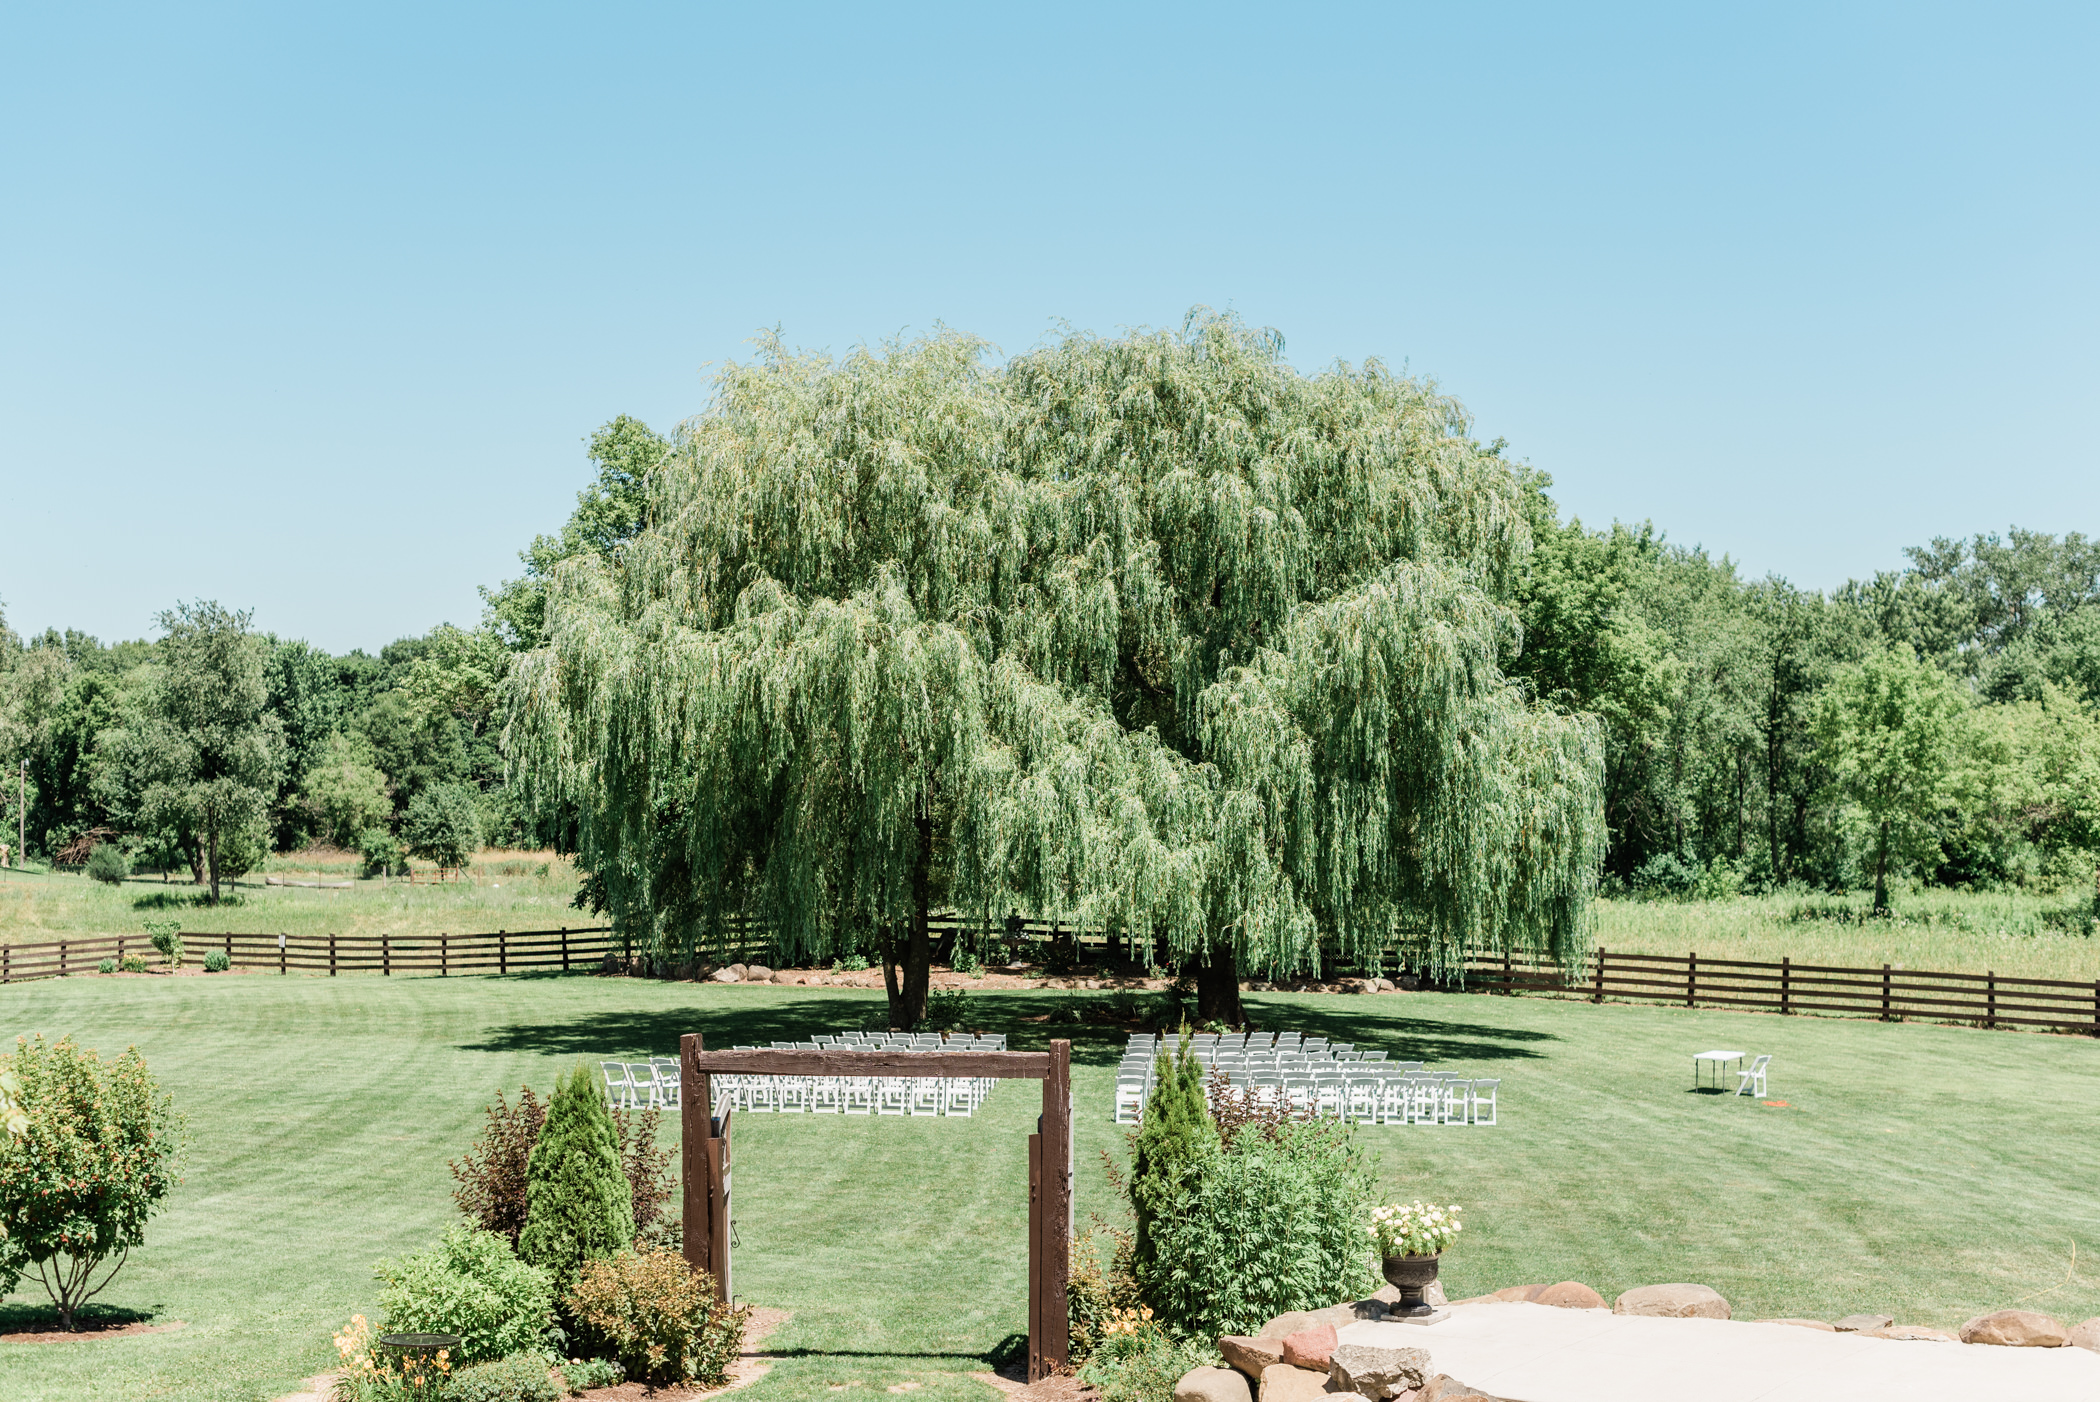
{"x":760,"y":1018}
{"x":25,"y":1317}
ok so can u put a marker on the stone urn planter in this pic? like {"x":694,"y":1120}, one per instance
{"x":1410,"y":1275}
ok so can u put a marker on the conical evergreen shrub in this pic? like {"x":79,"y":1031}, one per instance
{"x":577,"y":1202}
{"x":1177,"y":1137}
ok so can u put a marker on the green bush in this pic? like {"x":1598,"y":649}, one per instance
{"x":578,"y":1204}
{"x":1270,"y":1221}
{"x":443,"y":825}
{"x":946,"y":1010}
{"x":469,"y":1284}
{"x":108,"y":864}
{"x":1170,"y":1147}
{"x":166,"y":936}
{"x":522,"y":1377}
{"x":133,"y":964}
{"x":107,"y":966}
{"x":584,"y":1374}
{"x":381,"y":852}
{"x":216,"y":962}
{"x":658,"y":1316}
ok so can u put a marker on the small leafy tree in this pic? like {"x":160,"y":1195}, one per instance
{"x":443,"y":824}
{"x":107,"y":864}
{"x":166,"y":937}
{"x":578,"y":1205}
{"x":381,"y":851}
{"x":93,"y":1162}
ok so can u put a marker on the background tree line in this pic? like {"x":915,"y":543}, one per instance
{"x":210,"y":746}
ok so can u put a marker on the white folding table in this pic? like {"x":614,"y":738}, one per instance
{"x":1719,"y":1060}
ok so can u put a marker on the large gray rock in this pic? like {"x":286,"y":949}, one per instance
{"x":2087,"y":1335}
{"x":1377,"y":1372}
{"x":1213,"y":1385}
{"x":1570,"y":1295}
{"x":1250,"y":1355}
{"x":2015,"y":1329}
{"x":1864,"y":1323}
{"x":729,"y":973}
{"x":758,"y":973}
{"x":1284,"y":1325}
{"x":783,"y":976}
{"x":1677,"y":1301}
{"x":1280,"y":1382}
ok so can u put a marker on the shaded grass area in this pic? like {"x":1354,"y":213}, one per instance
{"x":2019,"y":934}
{"x":506,"y":891}
{"x":1930,"y":1172}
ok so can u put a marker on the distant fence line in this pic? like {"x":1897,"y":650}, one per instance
{"x":1889,"y":994}
{"x":501,"y":952}
{"x":1989,"y":1000}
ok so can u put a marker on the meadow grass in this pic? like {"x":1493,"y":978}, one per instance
{"x":1930,"y":1172}
{"x":2019,"y":934}
{"x":506,"y":890}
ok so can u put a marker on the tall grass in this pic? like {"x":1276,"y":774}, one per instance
{"x":2025,"y":936}
{"x":503,"y":890}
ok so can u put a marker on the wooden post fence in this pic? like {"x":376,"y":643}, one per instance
{"x":705,"y":1159}
{"x":1786,"y":984}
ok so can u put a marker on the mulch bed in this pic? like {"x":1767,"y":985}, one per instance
{"x":89,"y":1329}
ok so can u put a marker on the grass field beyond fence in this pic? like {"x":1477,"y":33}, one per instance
{"x":1930,"y":1172}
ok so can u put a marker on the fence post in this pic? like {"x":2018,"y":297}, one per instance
{"x":502,"y":953}
{"x":1990,"y":994}
{"x":61,"y":958}
{"x":331,"y":955}
{"x":444,"y":955}
{"x":5,"y":975}
{"x":386,"y":957}
{"x":1786,"y":983}
{"x":564,"y":949}
{"x":280,"y":952}
{"x":1691,"y":981}
{"x":2096,"y":1006}
{"x":229,"y":951}
{"x":1598,"y":997}
{"x":1509,"y":977}
{"x":1885,"y":993}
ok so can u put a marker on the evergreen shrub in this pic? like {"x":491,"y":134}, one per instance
{"x":108,"y":864}
{"x":216,"y":962}
{"x":1172,"y":1143}
{"x":522,"y":1377}
{"x":578,"y":1204}
{"x":658,"y":1317}
{"x":469,"y":1284}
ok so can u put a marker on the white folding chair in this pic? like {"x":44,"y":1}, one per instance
{"x":858,"y":1097}
{"x":926,"y":1095}
{"x":1395,"y":1098}
{"x":1454,"y":1106}
{"x":1484,"y":1101}
{"x":892,"y":1096}
{"x":668,"y":1073}
{"x":1130,"y":1098}
{"x":961,"y":1097}
{"x":827,"y":1095}
{"x":1362,"y":1103}
{"x":619,"y":1090}
{"x":1753,"y":1078}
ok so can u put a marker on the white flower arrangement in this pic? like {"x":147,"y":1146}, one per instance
{"x":1416,"y":1229}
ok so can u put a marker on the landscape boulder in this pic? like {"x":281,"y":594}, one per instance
{"x":1445,"y":1388}
{"x":1284,"y":1325}
{"x":1804,"y":1324}
{"x":1213,"y":1385}
{"x":2015,"y":1329}
{"x":1916,"y":1332}
{"x":1377,"y":1372}
{"x":1280,"y":1382}
{"x":1570,"y":1295}
{"x":1385,"y":1297}
{"x":2087,"y":1335}
{"x":1250,"y":1355}
{"x":783,"y":976}
{"x":1310,"y":1348}
{"x":757,"y":973}
{"x":1863,"y":1323}
{"x":1676,"y":1301}
{"x":728,"y":973}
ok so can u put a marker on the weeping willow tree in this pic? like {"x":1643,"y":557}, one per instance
{"x":1153,"y":631}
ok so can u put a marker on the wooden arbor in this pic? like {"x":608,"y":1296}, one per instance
{"x":704,"y":1141}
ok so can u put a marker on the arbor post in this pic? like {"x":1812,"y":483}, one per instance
{"x":1055,"y":1262}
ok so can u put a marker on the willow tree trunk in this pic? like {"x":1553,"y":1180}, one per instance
{"x":211,"y":861}
{"x":1881,"y":872}
{"x":1218,"y":986}
{"x":907,"y":984}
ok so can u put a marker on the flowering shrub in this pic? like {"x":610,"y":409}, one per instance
{"x":1135,"y":1360}
{"x":522,"y":1377}
{"x":1098,"y":1292}
{"x":583,"y":1374}
{"x":658,"y":1317}
{"x":372,"y":1375}
{"x":1414,"y":1230}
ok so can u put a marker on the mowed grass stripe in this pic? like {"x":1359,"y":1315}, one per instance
{"x":1932,"y":1172}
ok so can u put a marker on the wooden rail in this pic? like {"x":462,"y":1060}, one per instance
{"x":499,"y":952}
{"x":1988,"y":999}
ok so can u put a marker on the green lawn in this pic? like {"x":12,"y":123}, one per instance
{"x":1931,"y":1172}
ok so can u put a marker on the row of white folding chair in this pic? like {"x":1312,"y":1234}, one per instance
{"x":850,"y":1095}
{"x":631,"y":1085}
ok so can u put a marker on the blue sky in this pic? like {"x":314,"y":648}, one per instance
{"x":309,"y":308}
